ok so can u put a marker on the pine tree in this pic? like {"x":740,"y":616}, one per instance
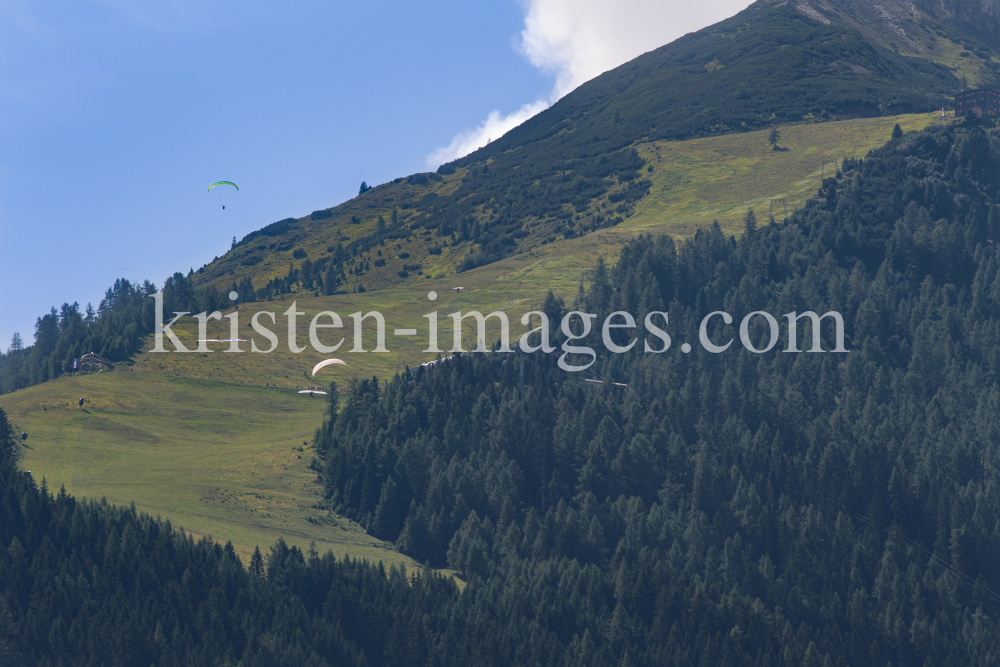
{"x":16,"y":343}
{"x":897,"y":132}
{"x":774,"y":137}
{"x":307,"y":273}
{"x":257,"y":563}
{"x":331,"y":281}
{"x":750,"y":224}
{"x":7,"y":439}
{"x":553,"y":309}
{"x":388,"y":522}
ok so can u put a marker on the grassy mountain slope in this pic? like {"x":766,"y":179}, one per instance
{"x":217,"y":452}
{"x":691,"y":183}
{"x":217,"y":458}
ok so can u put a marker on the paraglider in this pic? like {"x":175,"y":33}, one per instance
{"x":218,"y":183}
{"x":222,"y":183}
{"x":329,"y":362}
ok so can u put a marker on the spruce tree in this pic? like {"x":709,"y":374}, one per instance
{"x":388,"y":522}
{"x":257,"y":563}
{"x":553,"y":309}
{"x":7,"y":439}
{"x":331,"y":281}
{"x":750,"y":224}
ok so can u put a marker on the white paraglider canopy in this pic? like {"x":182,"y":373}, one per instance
{"x":329,"y":362}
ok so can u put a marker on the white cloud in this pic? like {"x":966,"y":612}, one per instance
{"x":495,"y":126}
{"x":577,"y":40}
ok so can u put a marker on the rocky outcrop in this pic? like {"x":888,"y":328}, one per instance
{"x":979,"y":18}
{"x":886,"y":22}
{"x":893,"y":23}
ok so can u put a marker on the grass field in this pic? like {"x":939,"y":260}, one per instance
{"x":198,"y":439}
{"x":219,"y":459}
{"x":695,"y":182}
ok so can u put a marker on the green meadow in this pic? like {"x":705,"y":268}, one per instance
{"x":719,"y":178}
{"x":218,"y":459}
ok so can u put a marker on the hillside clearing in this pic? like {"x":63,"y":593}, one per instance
{"x":219,"y":459}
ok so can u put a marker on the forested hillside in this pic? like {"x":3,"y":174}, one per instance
{"x":731,"y":509}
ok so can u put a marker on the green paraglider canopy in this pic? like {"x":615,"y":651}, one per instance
{"x":223,"y":183}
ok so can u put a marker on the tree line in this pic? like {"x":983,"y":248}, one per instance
{"x":116,"y":330}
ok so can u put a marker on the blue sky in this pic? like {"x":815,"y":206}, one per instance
{"x":115,"y":119}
